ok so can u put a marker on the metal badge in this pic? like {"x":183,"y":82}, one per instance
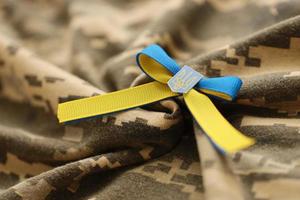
{"x":184,"y":80}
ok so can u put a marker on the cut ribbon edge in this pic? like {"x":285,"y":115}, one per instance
{"x":222,"y":133}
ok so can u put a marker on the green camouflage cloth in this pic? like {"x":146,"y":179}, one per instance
{"x":59,"y":50}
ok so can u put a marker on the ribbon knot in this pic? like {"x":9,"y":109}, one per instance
{"x":170,"y":80}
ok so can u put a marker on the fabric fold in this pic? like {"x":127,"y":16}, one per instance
{"x":84,"y":48}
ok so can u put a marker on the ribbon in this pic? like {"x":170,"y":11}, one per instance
{"x":169,"y":81}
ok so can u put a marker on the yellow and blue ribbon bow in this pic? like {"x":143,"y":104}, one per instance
{"x":169,"y":81}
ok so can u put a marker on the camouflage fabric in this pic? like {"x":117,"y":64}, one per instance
{"x":56,"y":51}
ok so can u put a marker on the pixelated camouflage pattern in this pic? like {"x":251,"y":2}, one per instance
{"x":60,"y":50}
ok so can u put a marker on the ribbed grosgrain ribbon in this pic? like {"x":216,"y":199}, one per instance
{"x":155,"y":62}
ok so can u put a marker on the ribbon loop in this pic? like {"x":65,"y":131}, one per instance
{"x":225,"y":88}
{"x":156,"y":63}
